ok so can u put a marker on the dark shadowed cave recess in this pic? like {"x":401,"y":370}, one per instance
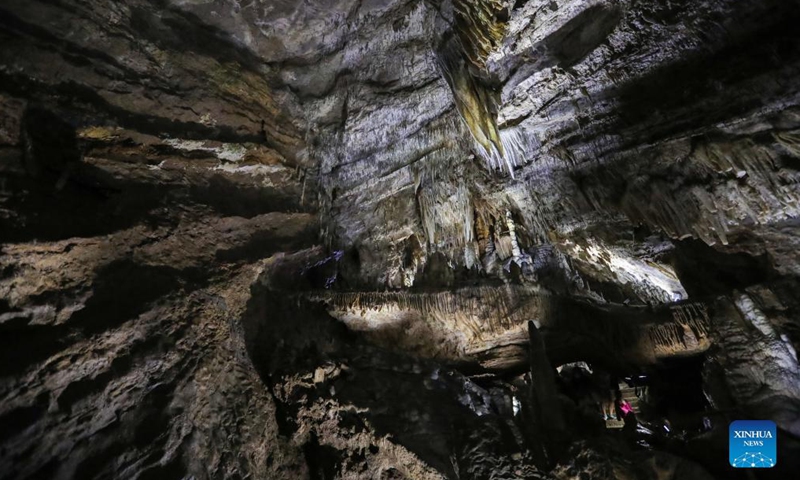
{"x":397,"y":239}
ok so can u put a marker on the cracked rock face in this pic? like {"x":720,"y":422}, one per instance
{"x":278,"y":239}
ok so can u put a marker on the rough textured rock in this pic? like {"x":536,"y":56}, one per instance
{"x":277,"y":239}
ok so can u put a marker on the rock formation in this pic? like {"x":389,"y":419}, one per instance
{"x":353,"y":239}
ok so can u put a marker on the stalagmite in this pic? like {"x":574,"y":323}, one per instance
{"x":547,"y":426}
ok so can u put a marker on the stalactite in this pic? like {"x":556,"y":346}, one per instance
{"x":790,"y":141}
{"x":693,"y":316}
{"x":667,"y":337}
{"x":462,"y":58}
{"x":688,"y":330}
{"x":478,"y":27}
{"x":479,"y":309}
{"x":445,"y":207}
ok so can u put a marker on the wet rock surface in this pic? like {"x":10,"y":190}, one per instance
{"x":279,"y":239}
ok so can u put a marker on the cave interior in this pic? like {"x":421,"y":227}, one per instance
{"x":398,"y":239}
